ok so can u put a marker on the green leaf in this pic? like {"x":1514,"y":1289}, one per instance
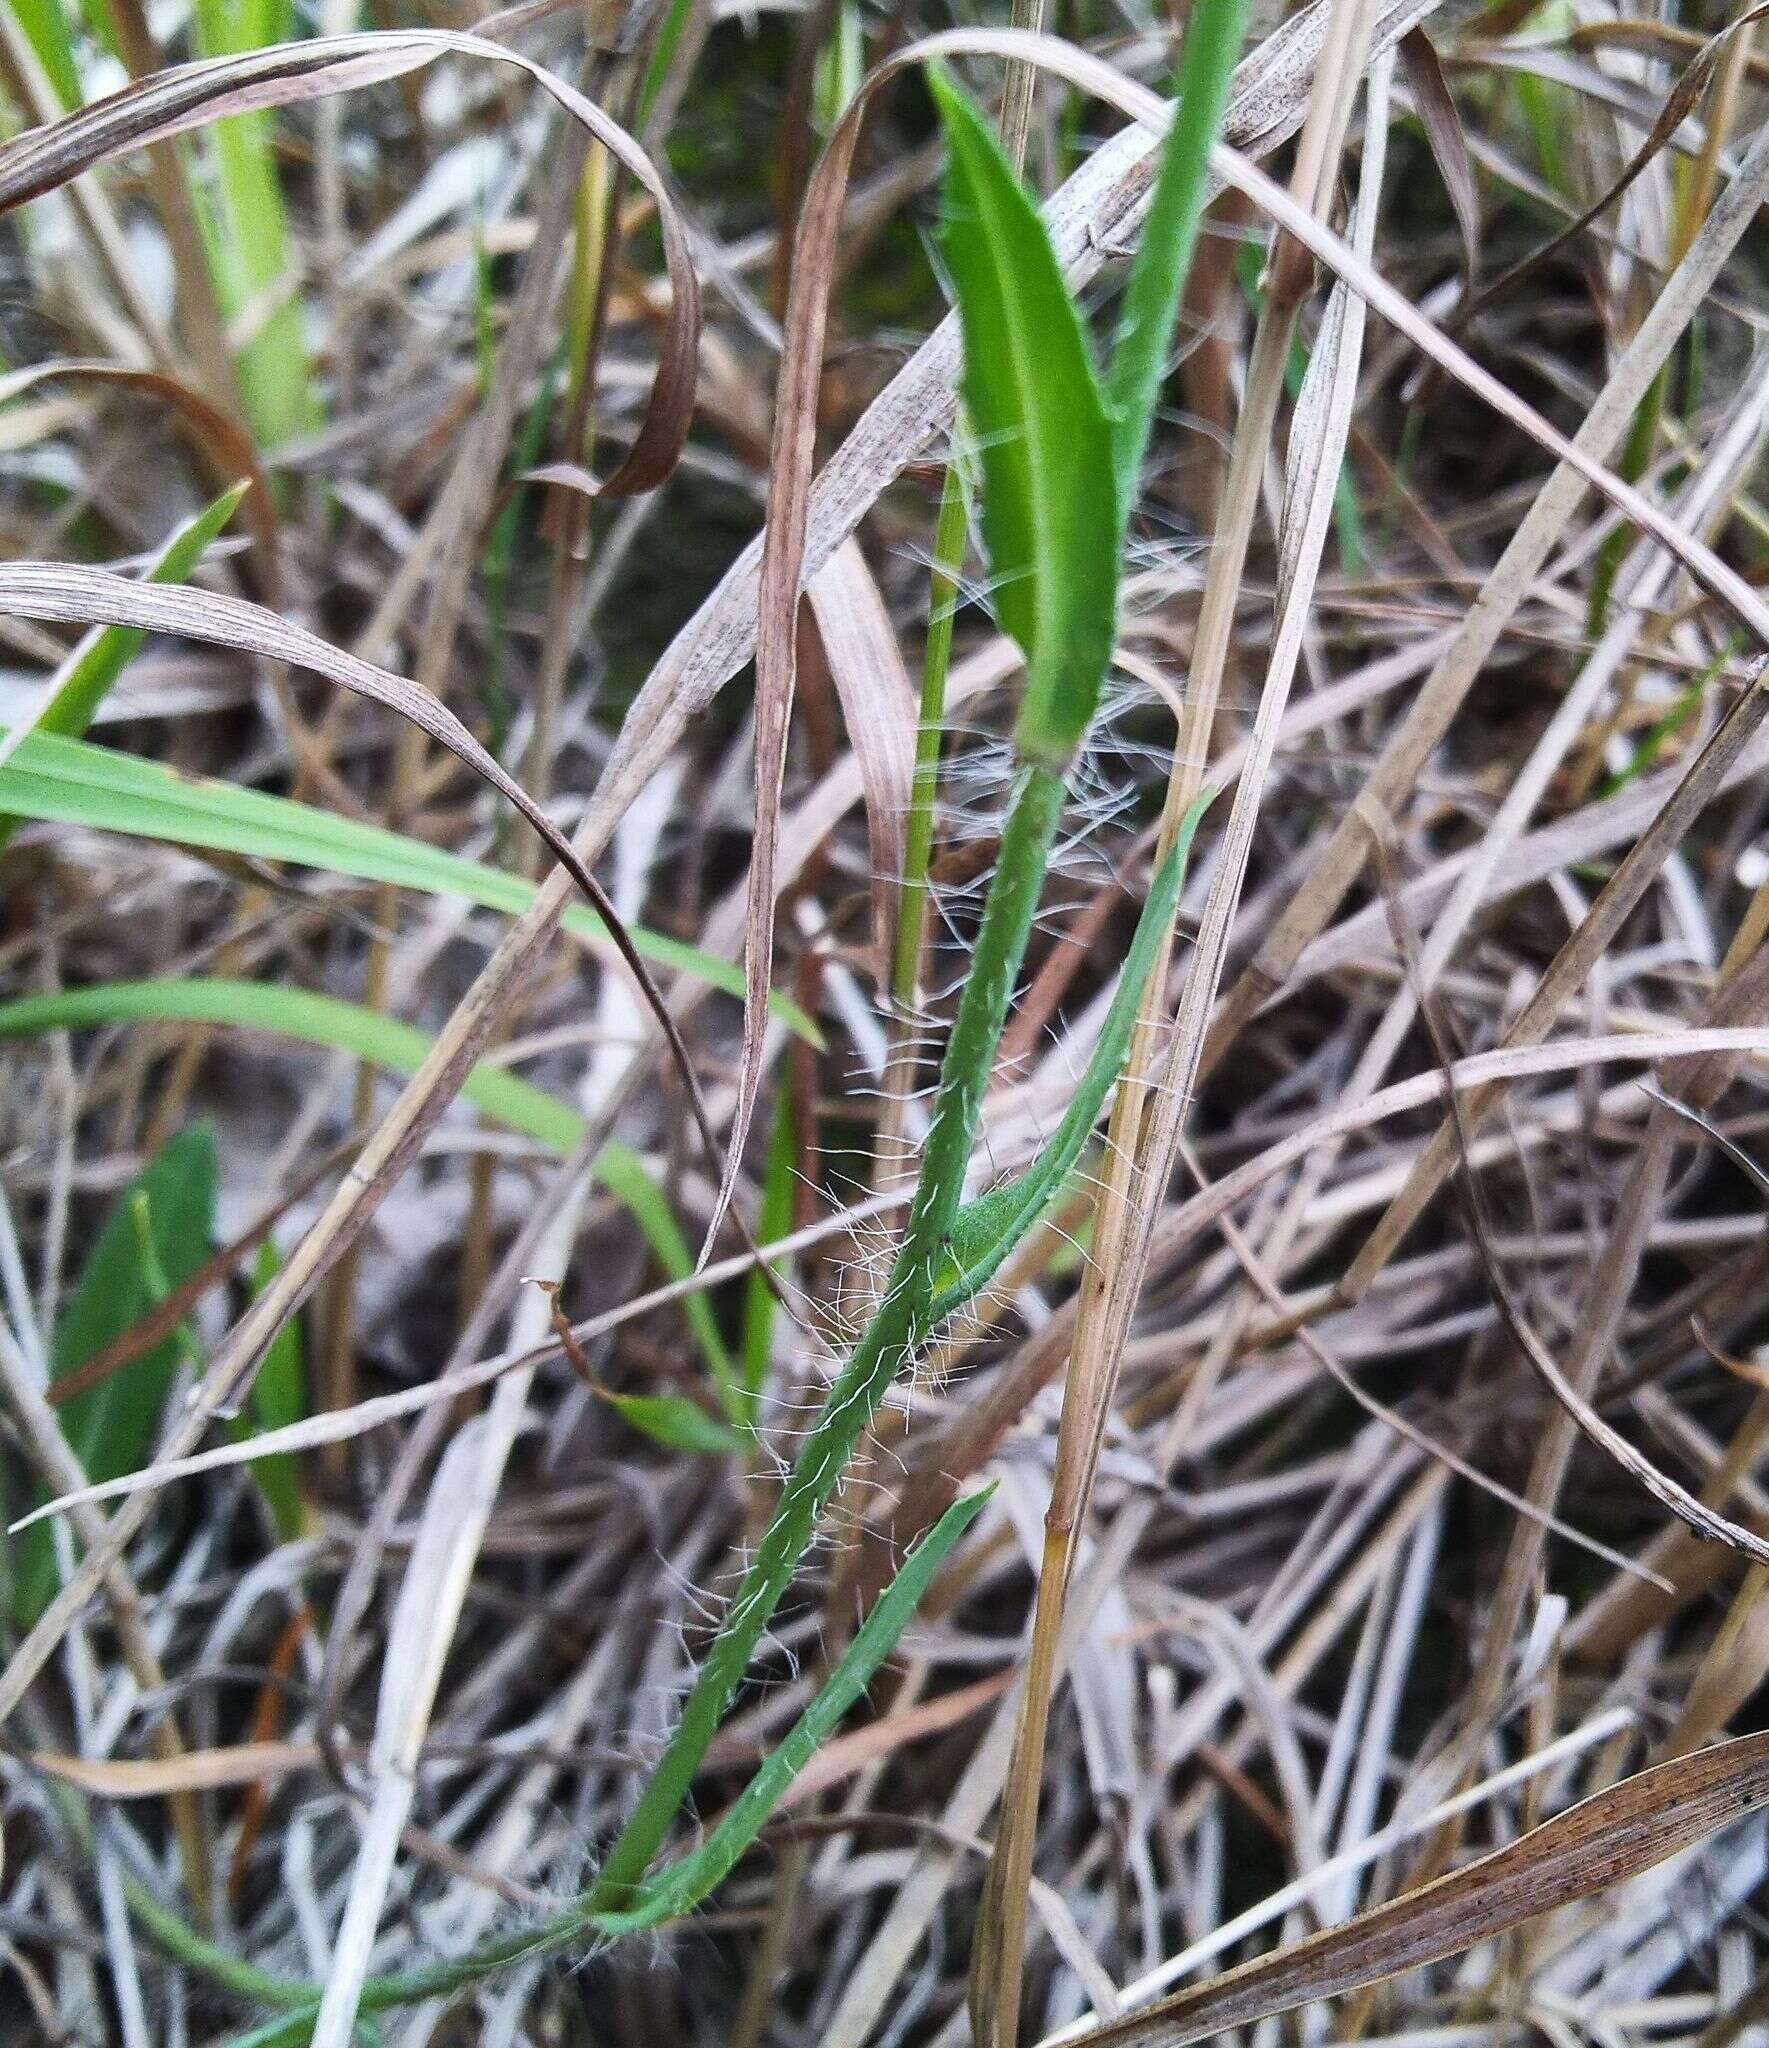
{"x":1049,"y":514}
{"x":50,"y":33}
{"x":1164,"y":256}
{"x":293,"y":1013}
{"x":760,"y":1306}
{"x":278,"y":1398}
{"x":84,"y":680}
{"x":624,"y":1175}
{"x":71,"y":782}
{"x":681,"y":1887}
{"x":674,"y":1420}
{"x":110,"y":1428}
{"x":247,"y":239}
{"x":349,"y":1027}
{"x":986,"y":1230}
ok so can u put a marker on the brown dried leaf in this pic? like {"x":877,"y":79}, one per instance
{"x":223,"y":442}
{"x":1603,"y":1841}
{"x":1435,"y":105}
{"x":879,"y":704}
{"x":190,"y":96}
{"x":1691,"y":82}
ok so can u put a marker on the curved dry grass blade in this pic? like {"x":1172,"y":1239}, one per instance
{"x":219,"y":437}
{"x":1704,"y":1520}
{"x":190,"y":96}
{"x":1179,"y":1226}
{"x":196,"y":1770}
{"x":878,"y":703}
{"x":1435,"y":106}
{"x":1603,"y":1841}
{"x":1691,"y":82}
{"x":1089,"y":73}
{"x":95,"y":597}
{"x":1689,"y":794}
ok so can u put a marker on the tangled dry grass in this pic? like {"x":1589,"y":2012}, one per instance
{"x":1374,"y":1419}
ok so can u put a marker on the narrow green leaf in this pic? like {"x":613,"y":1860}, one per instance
{"x":986,"y":1230}
{"x":1164,"y":256}
{"x":681,"y":1887}
{"x":247,"y":238}
{"x":50,"y":33}
{"x":624,"y":1175}
{"x":278,"y":1398}
{"x":84,"y":680}
{"x":71,"y":782}
{"x":349,"y":1027}
{"x":292,"y":1013}
{"x":674,"y":1420}
{"x":110,"y":1428}
{"x":1049,"y":514}
{"x":88,"y":673}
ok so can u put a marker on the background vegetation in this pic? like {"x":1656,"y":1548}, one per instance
{"x":1018,"y":1300}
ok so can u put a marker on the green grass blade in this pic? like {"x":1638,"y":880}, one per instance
{"x":1164,"y":257}
{"x":299,"y":1014}
{"x":71,"y":782}
{"x":1049,"y":517}
{"x":50,"y":33}
{"x":278,"y":1399}
{"x":84,"y":680}
{"x":985,"y":1231}
{"x":681,"y":1887}
{"x":110,"y":1427}
{"x":342,"y":1026}
{"x":247,"y":236}
{"x":675,"y":1421}
{"x":760,"y":1304}
{"x":624,"y":1175}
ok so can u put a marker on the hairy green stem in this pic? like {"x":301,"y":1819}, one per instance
{"x":903,"y":1320}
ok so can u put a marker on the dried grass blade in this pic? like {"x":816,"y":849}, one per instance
{"x":218,"y":436}
{"x":1602,"y":1841}
{"x":879,"y":705}
{"x":188,"y":96}
{"x":1435,"y":105}
{"x":1680,"y":102}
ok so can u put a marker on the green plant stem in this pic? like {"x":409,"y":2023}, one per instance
{"x":680,"y":1888}
{"x":1164,"y":258}
{"x":903,"y":1320}
{"x":936,"y":664}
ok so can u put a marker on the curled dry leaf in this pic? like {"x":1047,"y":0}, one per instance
{"x":187,"y":96}
{"x":1435,"y":105}
{"x":222,"y":441}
